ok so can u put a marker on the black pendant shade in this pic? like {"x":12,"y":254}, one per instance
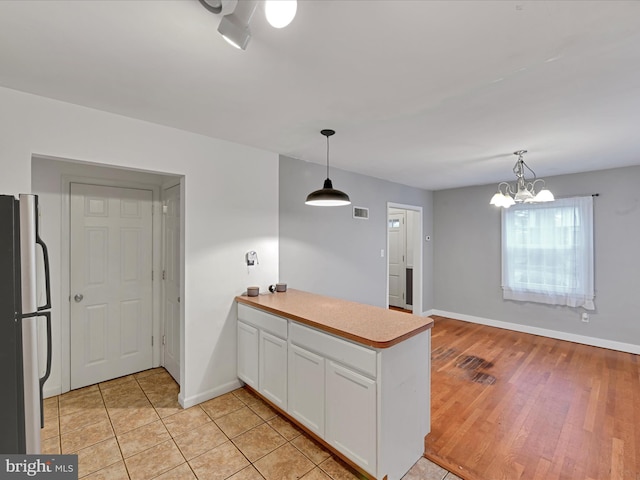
{"x":327,"y":196}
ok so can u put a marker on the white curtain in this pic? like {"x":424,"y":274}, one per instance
{"x":547,"y":252}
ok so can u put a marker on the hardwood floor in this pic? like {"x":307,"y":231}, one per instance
{"x":398,"y":309}
{"x":509,"y":405}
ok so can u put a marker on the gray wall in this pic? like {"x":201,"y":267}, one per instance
{"x":467,"y":262}
{"x":327,"y":251}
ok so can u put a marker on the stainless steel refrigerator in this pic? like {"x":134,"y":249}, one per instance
{"x":21,"y":413}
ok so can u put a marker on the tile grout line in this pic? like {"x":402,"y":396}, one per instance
{"x":114,"y":433}
{"x":229,"y":438}
{"x":165,"y":426}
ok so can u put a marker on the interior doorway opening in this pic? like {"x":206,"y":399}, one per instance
{"x":51,"y":180}
{"x":404,"y":258}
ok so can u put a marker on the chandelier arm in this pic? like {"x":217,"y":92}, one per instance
{"x":507,"y":189}
{"x":538,"y":180}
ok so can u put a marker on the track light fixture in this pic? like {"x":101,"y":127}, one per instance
{"x":327,"y":196}
{"x":234,"y":26}
{"x":524,"y":189}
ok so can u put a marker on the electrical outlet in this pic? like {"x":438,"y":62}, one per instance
{"x":585,"y":317}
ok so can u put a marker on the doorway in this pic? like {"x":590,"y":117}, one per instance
{"x":404,"y":257}
{"x":398,"y":271}
{"x":52,"y":179}
{"x":111,"y":304}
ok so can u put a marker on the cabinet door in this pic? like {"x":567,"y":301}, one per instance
{"x":351,"y":415}
{"x":306,"y":388}
{"x":273,"y":369}
{"x":248,"y":345}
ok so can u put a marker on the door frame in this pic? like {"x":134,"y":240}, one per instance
{"x":418,"y":252}
{"x":163,"y":257}
{"x":65,"y":270}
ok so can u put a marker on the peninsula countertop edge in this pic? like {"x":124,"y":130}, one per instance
{"x":365,"y":324}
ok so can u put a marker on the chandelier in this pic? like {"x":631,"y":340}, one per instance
{"x":524,"y":190}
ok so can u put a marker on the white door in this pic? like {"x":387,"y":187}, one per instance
{"x":171,"y":281}
{"x":397,"y":259}
{"x":111,"y":286}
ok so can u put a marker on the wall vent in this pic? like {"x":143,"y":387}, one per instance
{"x":361,"y":212}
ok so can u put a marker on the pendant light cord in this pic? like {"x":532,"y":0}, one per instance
{"x":327,"y":156}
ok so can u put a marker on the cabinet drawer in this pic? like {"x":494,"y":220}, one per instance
{"x":350,"y":354}
{"x":263,"y":320}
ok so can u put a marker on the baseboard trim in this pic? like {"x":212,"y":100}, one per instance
{"x":187,"y":402}
{"x":543,"y":332}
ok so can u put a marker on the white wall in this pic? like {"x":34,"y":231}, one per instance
{"x":226,"y":211}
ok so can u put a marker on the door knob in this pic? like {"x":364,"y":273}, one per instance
{"x":78,"y":297}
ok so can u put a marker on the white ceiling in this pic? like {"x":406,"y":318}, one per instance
{"x":425,"y":93}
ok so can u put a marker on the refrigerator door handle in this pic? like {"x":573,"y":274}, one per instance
{"x":47,"y":277}
{"x":47,"y":372}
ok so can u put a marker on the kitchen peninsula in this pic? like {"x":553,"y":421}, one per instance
{"x":355,"y":376}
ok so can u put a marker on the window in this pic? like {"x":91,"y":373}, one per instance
{"x":547,"y":252}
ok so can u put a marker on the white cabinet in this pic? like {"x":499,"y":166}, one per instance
{"x":350,"y":422}
{"x":371,"y":405}
{"x":262,"y":353}
{"x":306,"y":388}
{"x":273,"y":369}
{"x":248,"y":354}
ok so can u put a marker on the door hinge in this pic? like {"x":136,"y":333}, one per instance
{"x":164,"y":339}
{"x":152,"y":275}
{"x":164,"y":274}
{"x":152,"y":340}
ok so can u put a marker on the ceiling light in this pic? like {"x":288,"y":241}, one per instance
{"x":524,"y":190}
{"x":234,"y":27}
{"x":327,"y":196}
{"x":280,"y":13}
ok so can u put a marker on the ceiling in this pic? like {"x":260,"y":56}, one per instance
{"x":425,"y":93}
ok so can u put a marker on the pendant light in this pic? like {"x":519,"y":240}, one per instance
{"x":327,"y":196}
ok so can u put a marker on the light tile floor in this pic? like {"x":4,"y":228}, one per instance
{"x":132,"y":428}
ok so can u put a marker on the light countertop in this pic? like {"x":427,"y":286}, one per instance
{"x":373,"y":326}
